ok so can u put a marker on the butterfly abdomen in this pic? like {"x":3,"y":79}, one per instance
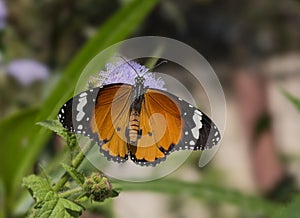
{"x":134,"y":127}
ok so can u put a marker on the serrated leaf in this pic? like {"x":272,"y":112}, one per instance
{"x":54,"y":207}
{"x":55,"y":126}
{"x":77,"y":176}
{"x":70,"y":205}
{"x":38,"y":187}
{"x":48,"y":203}
{"x":295,"y":101}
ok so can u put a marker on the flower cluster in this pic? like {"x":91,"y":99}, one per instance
{"x":3,"y":14}
{"x":27,"y":71}
{"x":98,"y":187}
{"x":125,"y":72}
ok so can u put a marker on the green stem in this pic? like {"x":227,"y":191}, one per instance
{"x":70,"y":192}
{"x":75,"y":163}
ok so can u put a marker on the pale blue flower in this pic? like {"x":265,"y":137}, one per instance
{"x":27,"y":71}
{"x":3,"y":14}
{"x":123,"y":72}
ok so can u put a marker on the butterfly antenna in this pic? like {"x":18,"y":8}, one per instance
{"x":156,"y":66}
{"x":126,"y":61}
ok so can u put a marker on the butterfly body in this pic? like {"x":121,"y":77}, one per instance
{"x":137,"y":98}
{"x":134,"y":120}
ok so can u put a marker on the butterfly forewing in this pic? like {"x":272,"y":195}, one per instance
{"x":103,"y":116}
{"x":197,"y":131}
{"x":75,"y":115}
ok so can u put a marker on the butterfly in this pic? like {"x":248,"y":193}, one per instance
{"x":138,"y":122}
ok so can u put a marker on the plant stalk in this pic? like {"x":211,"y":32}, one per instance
{"x":70,"y":192}
{"x":75,"y":163}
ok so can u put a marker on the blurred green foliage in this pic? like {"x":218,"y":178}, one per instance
{"x":292,"y":210}
{"x":295,"y":101}
{"x":206,"y":192}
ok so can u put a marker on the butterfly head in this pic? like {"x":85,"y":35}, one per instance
{"x":139,"y":80}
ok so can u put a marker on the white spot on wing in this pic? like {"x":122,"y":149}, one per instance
{"x":80,"y":127}
{"x":198,"y":112}
{"x":80,"y":106}
{"x":83,"y":94}
{"x":197,"y":120}
{"x":192,"y":142}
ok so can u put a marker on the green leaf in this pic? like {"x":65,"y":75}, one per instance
{"x":15,"y":134}
{"x":37,"y":186}
{"x":48,"y":203}
{"x":78,"y":177}
{"x":2,"y":199}
{"x":55,"y":126}
{"x":54,"y":206}
{"x":295,"y":101}
{"x":207,"y":192}
{"x":292,"y":210}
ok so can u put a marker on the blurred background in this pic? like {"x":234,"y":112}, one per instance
{"x":254,"y":48}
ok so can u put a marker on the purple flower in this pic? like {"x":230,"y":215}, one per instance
{"x":27,"y":71}
{"x":3,"y":14}
{"x":123,"y":72}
